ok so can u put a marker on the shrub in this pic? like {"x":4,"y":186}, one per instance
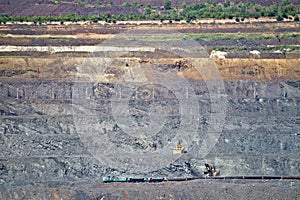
{"x":279,"y":18}
{"x":167,"y":5}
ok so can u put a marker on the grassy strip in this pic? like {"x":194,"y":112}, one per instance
{"x":234,"y":36}
{"x":217,"y":36}
{"x":284,"y":48}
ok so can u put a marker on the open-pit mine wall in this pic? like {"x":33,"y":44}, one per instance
{"x":41,"y":146}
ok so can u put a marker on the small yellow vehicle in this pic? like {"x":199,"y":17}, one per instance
{"x":179,"y":148}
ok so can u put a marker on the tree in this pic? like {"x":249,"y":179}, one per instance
{"x":256,"y":15}
{"x":167,"y":5}
{"x":279,"y":18}
{"x":284,"y":15}
{"x":126,"y":4}
{"x":227,"y":3}
{"x":285,"y":2}
{"x":148,"y":10}
{"x":35,"y":19}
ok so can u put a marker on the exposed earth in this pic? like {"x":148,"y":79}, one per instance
{"x":76,"y":105}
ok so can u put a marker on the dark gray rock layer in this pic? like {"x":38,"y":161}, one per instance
{"x":40,"y":143}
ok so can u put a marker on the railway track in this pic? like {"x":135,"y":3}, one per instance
{"x":134,"y":180}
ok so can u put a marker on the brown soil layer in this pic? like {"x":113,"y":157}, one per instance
{"x":243,"y":69}
{"x":114,"y":29}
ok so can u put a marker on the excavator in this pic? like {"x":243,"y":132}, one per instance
{"x":210,"y":170}
{"x":179,"y":148}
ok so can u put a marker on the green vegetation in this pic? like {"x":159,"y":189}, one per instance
{"x":240,"y":10}
{"x":283,"y":48}
{"x":132,"y":5}
{"x":279,"y":18}
{"x":229,"y":48}
{"x":191,"y":36}
{"x":217,"y":36}
{"x":230,"y":10}
{"x":229,"y":36}
{"x":167,"y":5}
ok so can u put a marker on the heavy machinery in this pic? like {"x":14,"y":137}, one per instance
{"x":211,"y":170}
{"x":179,"y":148}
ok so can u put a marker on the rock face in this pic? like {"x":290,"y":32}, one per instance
{"x":40,"y":142}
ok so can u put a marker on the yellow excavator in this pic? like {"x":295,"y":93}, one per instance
{"x":179,"y":148}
